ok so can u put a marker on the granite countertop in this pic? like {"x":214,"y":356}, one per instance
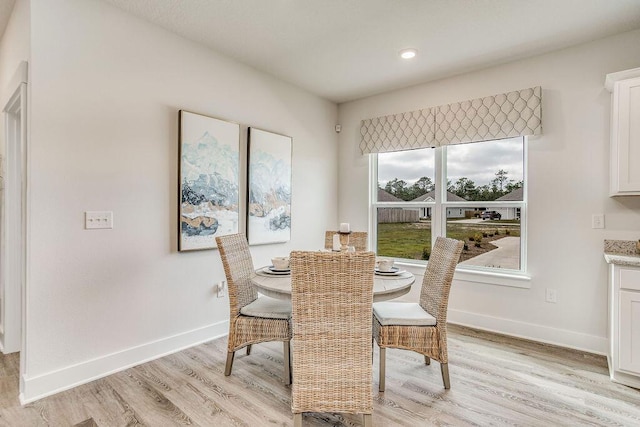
{"x":621,"y":252}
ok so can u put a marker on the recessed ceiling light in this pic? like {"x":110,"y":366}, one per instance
{"x":408,"y":53}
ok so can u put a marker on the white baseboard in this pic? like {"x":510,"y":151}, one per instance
{"x":43,"y":385}
{"x":530,"y":331}
{"x":54,"y":382}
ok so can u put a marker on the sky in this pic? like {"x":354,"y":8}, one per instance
{"x":478,"y":161}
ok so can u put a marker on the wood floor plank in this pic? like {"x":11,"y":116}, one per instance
{"x":107,"y":406}
{"x":87,"y":423}
{"x":149,"y":404}
{"x":495,"y":380}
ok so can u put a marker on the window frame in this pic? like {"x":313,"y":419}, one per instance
{"x":498,"y":276}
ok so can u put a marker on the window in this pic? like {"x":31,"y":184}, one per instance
{"x":472,"y":192}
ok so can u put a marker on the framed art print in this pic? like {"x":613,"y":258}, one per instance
{"x":209,"y":180}
{"x":269,"y":187}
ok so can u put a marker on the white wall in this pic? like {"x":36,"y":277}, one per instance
{"x":14,"y":45}
{"x":568,"y":174}
{"x":14,"y":48}
{"x":106,"y":90}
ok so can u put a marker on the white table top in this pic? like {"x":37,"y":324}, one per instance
{"x":384,"y":287}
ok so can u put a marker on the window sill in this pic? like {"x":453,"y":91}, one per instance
{"x":514,"y":280}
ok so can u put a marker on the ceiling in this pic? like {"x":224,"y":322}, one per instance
{"x":348,"y":49}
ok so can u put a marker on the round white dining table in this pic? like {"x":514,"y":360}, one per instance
{"x":384,"y":287}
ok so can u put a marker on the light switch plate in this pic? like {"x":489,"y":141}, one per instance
{"x":551,"y":295}
{"x":221,"y":287}
{"x":98,"y":219}
{"x":597,"y":221}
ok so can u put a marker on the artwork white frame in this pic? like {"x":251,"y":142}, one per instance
{"x":209,"y":177}
{"x":269,"y":164}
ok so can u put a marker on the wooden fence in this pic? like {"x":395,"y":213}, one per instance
{"x":387,"y":215}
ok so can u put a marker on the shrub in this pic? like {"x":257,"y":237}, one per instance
{"x":507,"y":232}
{"x":426,"y":253}
{"x":471,"y":238}
{"x":484,"y":234}
{"x":478,"y":239}
{"x":497,"y":232}
{"x":465,"y":247}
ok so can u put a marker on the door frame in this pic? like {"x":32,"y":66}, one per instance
{"x":14,"y":227}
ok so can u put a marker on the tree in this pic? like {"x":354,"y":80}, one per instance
{"x":420,"y":187}
{"x":465,"y":188}
{"x":513,"y":185}
{"x":424,"y":184}
{"x":397,"y":187}
{"x":484,"y":193}
{"x":500,"y":180}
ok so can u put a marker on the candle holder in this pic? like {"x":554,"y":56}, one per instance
{"x":344,"y":240}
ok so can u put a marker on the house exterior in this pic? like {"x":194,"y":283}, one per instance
{"x":452,"y":212}
{"x":384,"y":196}
{"x":394,"y":215}
{"x":510,"y":213}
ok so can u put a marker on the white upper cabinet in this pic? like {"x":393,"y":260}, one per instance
{"x":625,"y":132}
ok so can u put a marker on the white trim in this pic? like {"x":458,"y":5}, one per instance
{"x":511,"y":278}
{"x":514,"y":280}
{"x":15,"y":226}
{"x":630,"y":380}
{"x":530,"y":331}
{"x":488,"y":277}
{"x":439,"y":216}
{"x":612,"y":78}
{"x":43,"y":385}
{"x":524,"y":211}
{"x":373,"y":198}
{"x":19,"y":77}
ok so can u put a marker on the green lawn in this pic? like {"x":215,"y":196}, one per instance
{"x":404,"y":240}
{"x":409,"y":240}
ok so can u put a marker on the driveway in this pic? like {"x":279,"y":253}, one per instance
{"x":507,"y":255}
{"x":467,"y":221}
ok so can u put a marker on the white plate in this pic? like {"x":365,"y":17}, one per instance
{"x":279,"y":270}
{"x":266,"y":270}
{"x":394,"y":272}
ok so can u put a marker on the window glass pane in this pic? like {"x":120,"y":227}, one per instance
{"x":406,"y":175}
{"x":490,"y":243}
{"x":483,"y":171}
{"x":403,"y":234}
{"x":481,"y":174}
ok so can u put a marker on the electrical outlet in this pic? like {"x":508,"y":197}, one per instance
{"x":98,"y":219}
{"x":221,"y":288}
{"x":551,"y":295}
{"x":597,"y":221}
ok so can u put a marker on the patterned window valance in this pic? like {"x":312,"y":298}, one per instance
{"x":506,"y":115}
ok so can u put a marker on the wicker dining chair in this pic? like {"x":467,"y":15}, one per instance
{"x":252,"y":320}
{"x":358,"y":239}
{"x":332,"y":296}
{"x":421,"y":327}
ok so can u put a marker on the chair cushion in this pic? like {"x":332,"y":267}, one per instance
{"x":267,"y":307}
{"x":402,"y":314}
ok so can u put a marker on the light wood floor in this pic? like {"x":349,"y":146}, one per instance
{"x":495,"y":380}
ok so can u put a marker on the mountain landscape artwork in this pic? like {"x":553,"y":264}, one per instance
{"x":209,"y":180}
{"x":269,"y":180}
